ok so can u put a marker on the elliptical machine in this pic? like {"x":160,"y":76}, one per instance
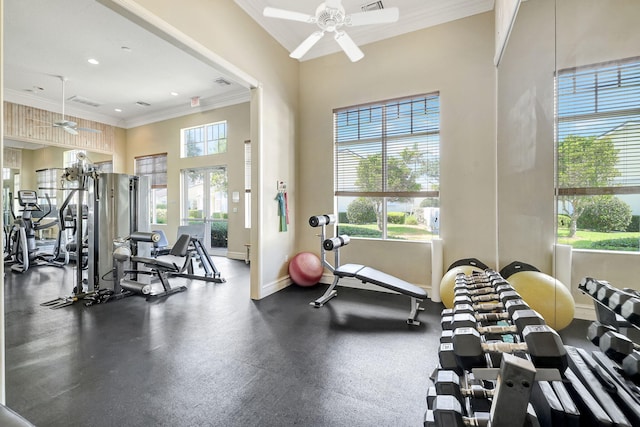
{"x":23,"y":251}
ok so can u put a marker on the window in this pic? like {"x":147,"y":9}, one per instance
{"x":70,"y":157}
{"x":155,"y":167}
{"x":204,"y":140}
{"x":247,"y":184}
{"x":598,"y":155}
{"x":388,"y":168}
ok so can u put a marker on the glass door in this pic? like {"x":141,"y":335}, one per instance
{"x":206,"y":203}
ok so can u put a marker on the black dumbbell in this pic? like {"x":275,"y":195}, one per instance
{"x":512,"y":306}
{"x":619,"y":297}
{"x":446,"y":336}
{"x":480,"y":292}
{"x":520,"y":319}
{"x":447,"y":357}
{"x":631,"y":366}
{"x":591,"y":285}
{"x":630,"y":310}
{"x":605,"y":292}
{"x":542,"y":343}
{"x":448,"y":383}
{"x":616,"y":346}
{"x":596,"y":330}
{"x":447,"y":412}
{"x":508,"y":307}
{"x":503,"y":297}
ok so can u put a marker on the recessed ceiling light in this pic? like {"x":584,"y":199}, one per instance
{"x":93,"y":61}
{"x":174,"y":93}
{"x":118,"y":110}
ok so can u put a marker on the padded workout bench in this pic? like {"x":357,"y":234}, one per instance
{"x":363,"y":273}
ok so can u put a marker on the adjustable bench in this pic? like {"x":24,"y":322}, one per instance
{"x":363,"y":273}
{"x":162,"y":268}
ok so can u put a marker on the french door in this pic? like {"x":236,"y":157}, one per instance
{"x":205,"y":202}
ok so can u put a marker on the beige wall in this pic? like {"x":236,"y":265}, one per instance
{"x":454,"y":59}
{"x":225,"y":30}
{"x":164,"y":137}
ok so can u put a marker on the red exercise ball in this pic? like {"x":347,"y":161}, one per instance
{"x":305,"y":269}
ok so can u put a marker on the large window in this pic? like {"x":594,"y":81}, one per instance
{"x":388,"y":168}
{"x":155,"y":167}
{"x":598,"y":155}
{"x":204,"y":140}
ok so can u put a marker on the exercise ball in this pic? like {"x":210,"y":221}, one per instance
{"x":305,"y":269}
{"x":546,"y":295}
{"x":448,"y":282}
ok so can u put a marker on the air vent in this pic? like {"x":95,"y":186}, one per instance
{"x":376,"y":5}
{"x":222,"y":82}
{"x":143,"y":104}
{"x":84,"y":101}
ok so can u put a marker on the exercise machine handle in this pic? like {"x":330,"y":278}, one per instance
{"x":336,"y":242}
{"x":318,"y":220}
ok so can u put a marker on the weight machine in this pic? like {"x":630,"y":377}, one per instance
{"x":117,"y":222}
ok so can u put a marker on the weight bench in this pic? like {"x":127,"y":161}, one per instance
{"x":162,"y":268}
{"x":363,"y":273}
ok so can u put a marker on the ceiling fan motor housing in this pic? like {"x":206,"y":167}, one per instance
{"x":329,"y":19}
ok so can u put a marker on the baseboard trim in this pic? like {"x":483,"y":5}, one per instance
{"x":236,"y":255}
{"x":273,"y":287}
{"x":585,"y":312}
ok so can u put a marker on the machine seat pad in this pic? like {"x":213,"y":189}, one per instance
{"x":370,"y":275}
{"x":156,"y":263}
{"x":348,"y":270}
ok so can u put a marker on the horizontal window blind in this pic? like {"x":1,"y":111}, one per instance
{"x":388,"y":149}
{"x":598,"y":130}
{"x":154,"y":166}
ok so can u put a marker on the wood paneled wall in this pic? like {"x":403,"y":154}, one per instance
{"x":29,"y":124}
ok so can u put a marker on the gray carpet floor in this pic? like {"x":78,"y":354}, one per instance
{"x":210,"y":356}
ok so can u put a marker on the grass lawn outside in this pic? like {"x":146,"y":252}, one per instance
{"x":394,"y":231}
{"x":614,"y":241}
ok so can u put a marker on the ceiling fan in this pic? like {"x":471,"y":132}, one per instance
{"x":330,"y":17}
{"x":68,"y":125}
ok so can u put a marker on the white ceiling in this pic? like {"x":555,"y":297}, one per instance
{"x":44,"y":39}
{"x":414,"y":15}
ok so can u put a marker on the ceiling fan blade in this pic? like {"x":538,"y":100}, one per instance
{"x":333,"y":4}
{"x":65,"y":123}
{"x":348,"y":45}
{"x":272,"y":12}
{"x":70,"y":130}
{"x":381,"y":16}
{"x":89,"y":130}
{"x":307,"y":44}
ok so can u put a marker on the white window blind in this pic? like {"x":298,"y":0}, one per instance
{"x":388,"y":149}
{"x":154,"y":166}
{"x":598,"y":114}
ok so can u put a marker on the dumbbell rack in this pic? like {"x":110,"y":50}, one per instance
{"x":616,"y":331}
{"x":520,"y":389}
